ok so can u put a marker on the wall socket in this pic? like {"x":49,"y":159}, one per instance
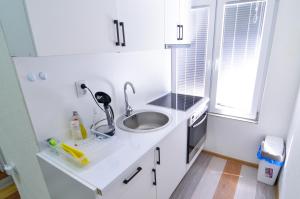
{"x":79,"y":91}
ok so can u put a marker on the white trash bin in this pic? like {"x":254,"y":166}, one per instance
{"x":271,"y":154}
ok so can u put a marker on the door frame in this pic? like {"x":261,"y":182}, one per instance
{"x":17,"y":138}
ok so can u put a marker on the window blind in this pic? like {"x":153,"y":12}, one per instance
{"x":191,"y":62}
{"x":239,"y":55}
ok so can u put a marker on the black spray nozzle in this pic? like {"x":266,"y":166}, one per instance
{"x":103,"y":98}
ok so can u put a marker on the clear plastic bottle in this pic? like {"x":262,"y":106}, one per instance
{"x":75,"y":126}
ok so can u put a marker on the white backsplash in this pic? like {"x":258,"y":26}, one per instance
{"x":50,"y":102}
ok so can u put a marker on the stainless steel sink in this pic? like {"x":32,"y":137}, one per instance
{"x":143,"y":121}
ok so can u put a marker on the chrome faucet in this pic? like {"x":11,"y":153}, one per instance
{"x":128,"y":108}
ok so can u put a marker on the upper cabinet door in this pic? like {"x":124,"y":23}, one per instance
{"x":72,"y":26}
{"x":177,"y":21}
{"x":185,"y":21}
{"x":141,"y":24}
{"x":172,"y":21}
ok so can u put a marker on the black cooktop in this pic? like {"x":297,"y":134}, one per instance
{"x":176,"y":101}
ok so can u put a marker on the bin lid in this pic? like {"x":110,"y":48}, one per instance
{"x":273,"y":147}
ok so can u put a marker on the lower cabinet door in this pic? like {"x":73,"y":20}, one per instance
{"x":62,"y":185}
{"x":135,"y":183}
{"x":170,"y":159}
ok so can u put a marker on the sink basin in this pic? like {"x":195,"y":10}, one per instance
{"x":143,"y":121}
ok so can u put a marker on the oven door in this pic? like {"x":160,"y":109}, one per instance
{"x":196,"y":136}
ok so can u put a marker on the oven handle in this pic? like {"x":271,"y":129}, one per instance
{"x":195,"y":125}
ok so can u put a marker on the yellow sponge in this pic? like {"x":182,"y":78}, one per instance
{"x":76,"y":154}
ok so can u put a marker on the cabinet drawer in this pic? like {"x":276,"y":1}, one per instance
{"x":135,"y":182}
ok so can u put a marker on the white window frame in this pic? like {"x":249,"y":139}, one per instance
{"x":263,"y":59}
{"x":211,"y":4}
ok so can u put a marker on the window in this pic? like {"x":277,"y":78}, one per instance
{"x":238,"y":77}
{"x":191,"y":63}
{"x":237,"y":40}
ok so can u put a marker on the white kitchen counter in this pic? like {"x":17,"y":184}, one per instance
{"x":110,"y":158}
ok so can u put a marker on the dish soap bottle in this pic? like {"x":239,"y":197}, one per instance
{"x":78,"y":130}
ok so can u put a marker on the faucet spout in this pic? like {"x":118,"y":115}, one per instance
{"x":128,"y":108}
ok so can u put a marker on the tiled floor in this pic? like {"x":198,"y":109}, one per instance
{"x":215,"y":178}
{"x":210,"y":177}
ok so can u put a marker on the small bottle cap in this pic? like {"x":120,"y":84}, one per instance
{"x":75,"y":113}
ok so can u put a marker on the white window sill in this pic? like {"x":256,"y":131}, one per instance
{"x":253,"y":121}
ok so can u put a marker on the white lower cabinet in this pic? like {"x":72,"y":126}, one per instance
{"x":157,"y":180}
{"x":171,"y":161}
{"x":154,"y":176}
{"x":62,"y":185}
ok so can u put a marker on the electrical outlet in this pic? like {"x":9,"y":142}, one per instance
{"x":79,"y":91}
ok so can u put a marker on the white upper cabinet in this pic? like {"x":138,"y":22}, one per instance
{"x":72,"y":27}
{"x":142,"y":24}
{"x":185,"y":19}
{"x":177,"y":21}
{"x":66,"y":27}
{"x":172,"y":21}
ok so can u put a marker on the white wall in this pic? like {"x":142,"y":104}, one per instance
{"x":290,"y":178}
{"x":241,"y":139}
{"x":290,"y":174}
{"x":51,"y":102}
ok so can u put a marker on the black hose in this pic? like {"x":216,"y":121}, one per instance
{"x":83,"y":86}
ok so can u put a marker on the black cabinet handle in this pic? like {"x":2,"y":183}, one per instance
{"x":158,"y":151}
{"x":154,"y":173}
{"x":178,"y":31}
{"x":123,"y":31}
{"x":181,"y":32}
{"x":128,"y":180}
{"x":116,"y":22}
